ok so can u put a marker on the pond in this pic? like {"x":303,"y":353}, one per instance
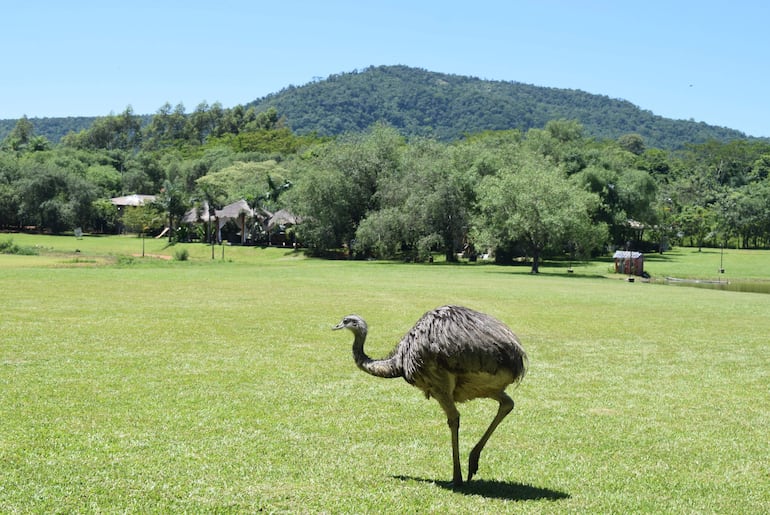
{"x":741,"y":286}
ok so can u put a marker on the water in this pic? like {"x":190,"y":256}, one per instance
{"x":740,"y":286}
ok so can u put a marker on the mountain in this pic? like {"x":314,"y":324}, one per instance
{"x":444,"y":106}
{"x":52,"y":128}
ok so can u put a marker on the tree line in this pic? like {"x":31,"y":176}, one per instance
{"x":544,"y":192}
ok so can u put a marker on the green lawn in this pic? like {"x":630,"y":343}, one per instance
{"x":147,"y":385}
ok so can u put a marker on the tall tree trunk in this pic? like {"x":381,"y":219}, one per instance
{"x":536,"y":261}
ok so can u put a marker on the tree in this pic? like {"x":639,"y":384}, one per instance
{"x":213,"y":196}
{"x":105,"y":217}
{"x":341,"y":185}
{"x":104,"y":177}
{"x":266,"y":120}
{"x":562,"y":141}
{"x":141,"y":219}
{"x":168,"y":127}
{"x":55,"y":199}
{"x":323,"y":199}
{"x":235,"y":120}
{"x":537,"y":206}
{"x":113,"y":132}
{"x":365,"y":159}
{"x":20,"y":137}
{"x":171,"y":201}
{"x":249,"y":180}
{"x":747,"y":214}
{"x":200,"y":124}
{"x":697,"y":222}
{"x":10,"y":174}
{"x":424,"y":206}
{"x":760,"y":170}
{"x":633,"y":143}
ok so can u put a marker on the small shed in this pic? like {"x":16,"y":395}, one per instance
{"x":629,"y":262}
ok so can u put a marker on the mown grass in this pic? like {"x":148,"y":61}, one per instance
{"x":156,"y":386}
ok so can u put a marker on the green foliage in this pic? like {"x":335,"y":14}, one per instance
{"x":340,"y":185}
{"x":537,"y":205}
{"x":143,"y":219}
{"x":385,"y":234}
{"x":20,"y":137}
{"x":105,"y":216}
{"x":9,"y":247}
{"x":172,"y":201}
{"x":113,"y":132}
{"x":417,"y":102}
{"x":633,"y":143}
{"x":322,"y":200}
{"x":52,"y":198}
{"x":247,"y":180}
{"x":182,"y":254}
{"x":269,"y":142}
{"x":447,"y":107}
{"x":424,"y":206}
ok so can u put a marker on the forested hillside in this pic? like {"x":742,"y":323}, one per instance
{"x":446,"y":107}
{"x":443,"y":106}
{"x":53,"y":129}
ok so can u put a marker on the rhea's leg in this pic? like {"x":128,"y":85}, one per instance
{"x":506,"y":406}
{"x":453,"y":421}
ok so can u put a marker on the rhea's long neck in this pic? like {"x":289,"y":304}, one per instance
{"x":387,"y":368}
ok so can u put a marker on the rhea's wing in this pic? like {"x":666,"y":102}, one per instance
{"x":461,"y":340}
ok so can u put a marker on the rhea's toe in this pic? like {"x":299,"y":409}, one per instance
{"x":473,"y":465}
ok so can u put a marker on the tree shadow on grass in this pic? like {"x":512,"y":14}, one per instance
{"x":496,"y":489}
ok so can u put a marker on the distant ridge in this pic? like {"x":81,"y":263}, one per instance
{"x":52,"y":128}
{"x":445,"y":106}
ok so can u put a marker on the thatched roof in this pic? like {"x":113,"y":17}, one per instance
{"x":197,"y":214}
{"x":282,"y":217}
{"x":235,"y":210}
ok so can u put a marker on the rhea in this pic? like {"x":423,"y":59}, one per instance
{"x":453,"y":354}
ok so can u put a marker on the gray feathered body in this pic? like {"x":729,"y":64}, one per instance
{"x":451,"y":350}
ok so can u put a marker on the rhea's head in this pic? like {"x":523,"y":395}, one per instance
{"x":353,"y":322}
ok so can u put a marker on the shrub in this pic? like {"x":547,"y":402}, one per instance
{"x":9,"y":247}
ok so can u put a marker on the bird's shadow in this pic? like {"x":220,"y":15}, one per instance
{"x":496,"y":489}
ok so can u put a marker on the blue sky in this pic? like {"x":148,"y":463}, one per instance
{"x":701,"y":60}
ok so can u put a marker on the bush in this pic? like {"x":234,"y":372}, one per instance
{"x":181,"y":255}
{"x":126,"y":260}
{"x":9,"y":247}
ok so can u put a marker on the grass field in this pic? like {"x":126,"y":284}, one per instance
{"x":149,"y":385}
